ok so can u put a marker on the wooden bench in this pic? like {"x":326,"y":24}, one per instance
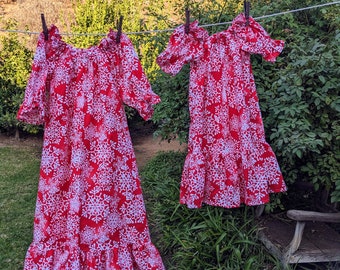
{"x":301,"y":236}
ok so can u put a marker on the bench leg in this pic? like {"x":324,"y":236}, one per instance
{"x":295,"y":243}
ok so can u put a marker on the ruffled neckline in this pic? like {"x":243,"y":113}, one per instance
{"x":240,"y":28}
{"x":55,"y":45}
{"x":195,"y":32}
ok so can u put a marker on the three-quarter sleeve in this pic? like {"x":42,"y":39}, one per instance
{"x":182,"y":48}
{"x":135,"y":89}
{"x":33,"y":108}
{"x":255,"y":40}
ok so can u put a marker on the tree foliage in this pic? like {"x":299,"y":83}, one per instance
{"x":15,"y":63}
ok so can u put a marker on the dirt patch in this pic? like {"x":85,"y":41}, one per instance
{"x":144,"y":143}
{"x":147,"y":147}
{"x":27,"y":141}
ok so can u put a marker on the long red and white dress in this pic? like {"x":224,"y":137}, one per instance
{"x":90,"y":212}
{"x":229,"y":161}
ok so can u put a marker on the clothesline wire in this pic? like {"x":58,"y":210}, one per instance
{"x":172,"y":29}
{"x":279,"y":14}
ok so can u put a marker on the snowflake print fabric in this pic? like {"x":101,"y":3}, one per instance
{"x":232,"y":163}
{"x":90,"y":212}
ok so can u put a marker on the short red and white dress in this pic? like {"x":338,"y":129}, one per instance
{"x":229,"y":162}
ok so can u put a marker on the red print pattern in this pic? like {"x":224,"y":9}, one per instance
{"x":229,"y":161}
{"x":90,"y":211}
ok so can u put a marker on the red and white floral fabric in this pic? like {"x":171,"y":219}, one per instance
{"x":229,"y":161}
{"x":90,"y":212}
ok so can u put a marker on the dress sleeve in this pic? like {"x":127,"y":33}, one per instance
{"x":135,"y":89}
{"x":256,"y":40}
{"x":32,"y":110}
{"x":182,"y":48}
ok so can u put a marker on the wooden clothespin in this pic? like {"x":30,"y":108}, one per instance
{"x":187,"y":20}
{"x":119,"y":27}
{"x":44,"y":26}
{"x":246,"y":10}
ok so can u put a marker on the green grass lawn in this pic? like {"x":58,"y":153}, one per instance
{"x":19,"y":174}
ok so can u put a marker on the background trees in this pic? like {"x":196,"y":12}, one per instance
{"x":15,"y":62}
{"x":299,"y":94}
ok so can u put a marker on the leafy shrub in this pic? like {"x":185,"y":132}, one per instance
{"x":299,"y":99}
{"x":304,"y":114}
{"x":172,"y":114}
{"x":206,"y":238}
{"x":15,"y":65}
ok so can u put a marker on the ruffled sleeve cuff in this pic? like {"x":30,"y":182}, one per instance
{"x":146,"y":106}
{"x":31,"y":114}
{"x":32,"y":110}
{"x":273,"y":50}
{"x":255,"y":40}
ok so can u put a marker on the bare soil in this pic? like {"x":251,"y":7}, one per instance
{"x":145,"y":144}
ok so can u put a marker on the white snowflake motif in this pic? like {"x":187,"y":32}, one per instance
{"x":88,"y":235}
{"x":124,"y":259}
{"x":78,"y":158}
{"x":134,"y":211}
{"x":48,"y":161}
{"x":74,"y":205}
{"x":96,"y":206}
{"x":114,"y":221}
{"x":81,"y":101}
{"x":257,"y":180}
{"x":111,"y":124}
{"x":61,"y":75}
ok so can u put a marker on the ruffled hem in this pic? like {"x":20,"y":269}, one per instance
{"x":257,"y":177}
{"x":249,"y":201}
{"x":43,"y":256}
{"x":235,"y":205}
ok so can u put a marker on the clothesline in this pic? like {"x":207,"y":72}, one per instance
{"x":172,"y":29}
